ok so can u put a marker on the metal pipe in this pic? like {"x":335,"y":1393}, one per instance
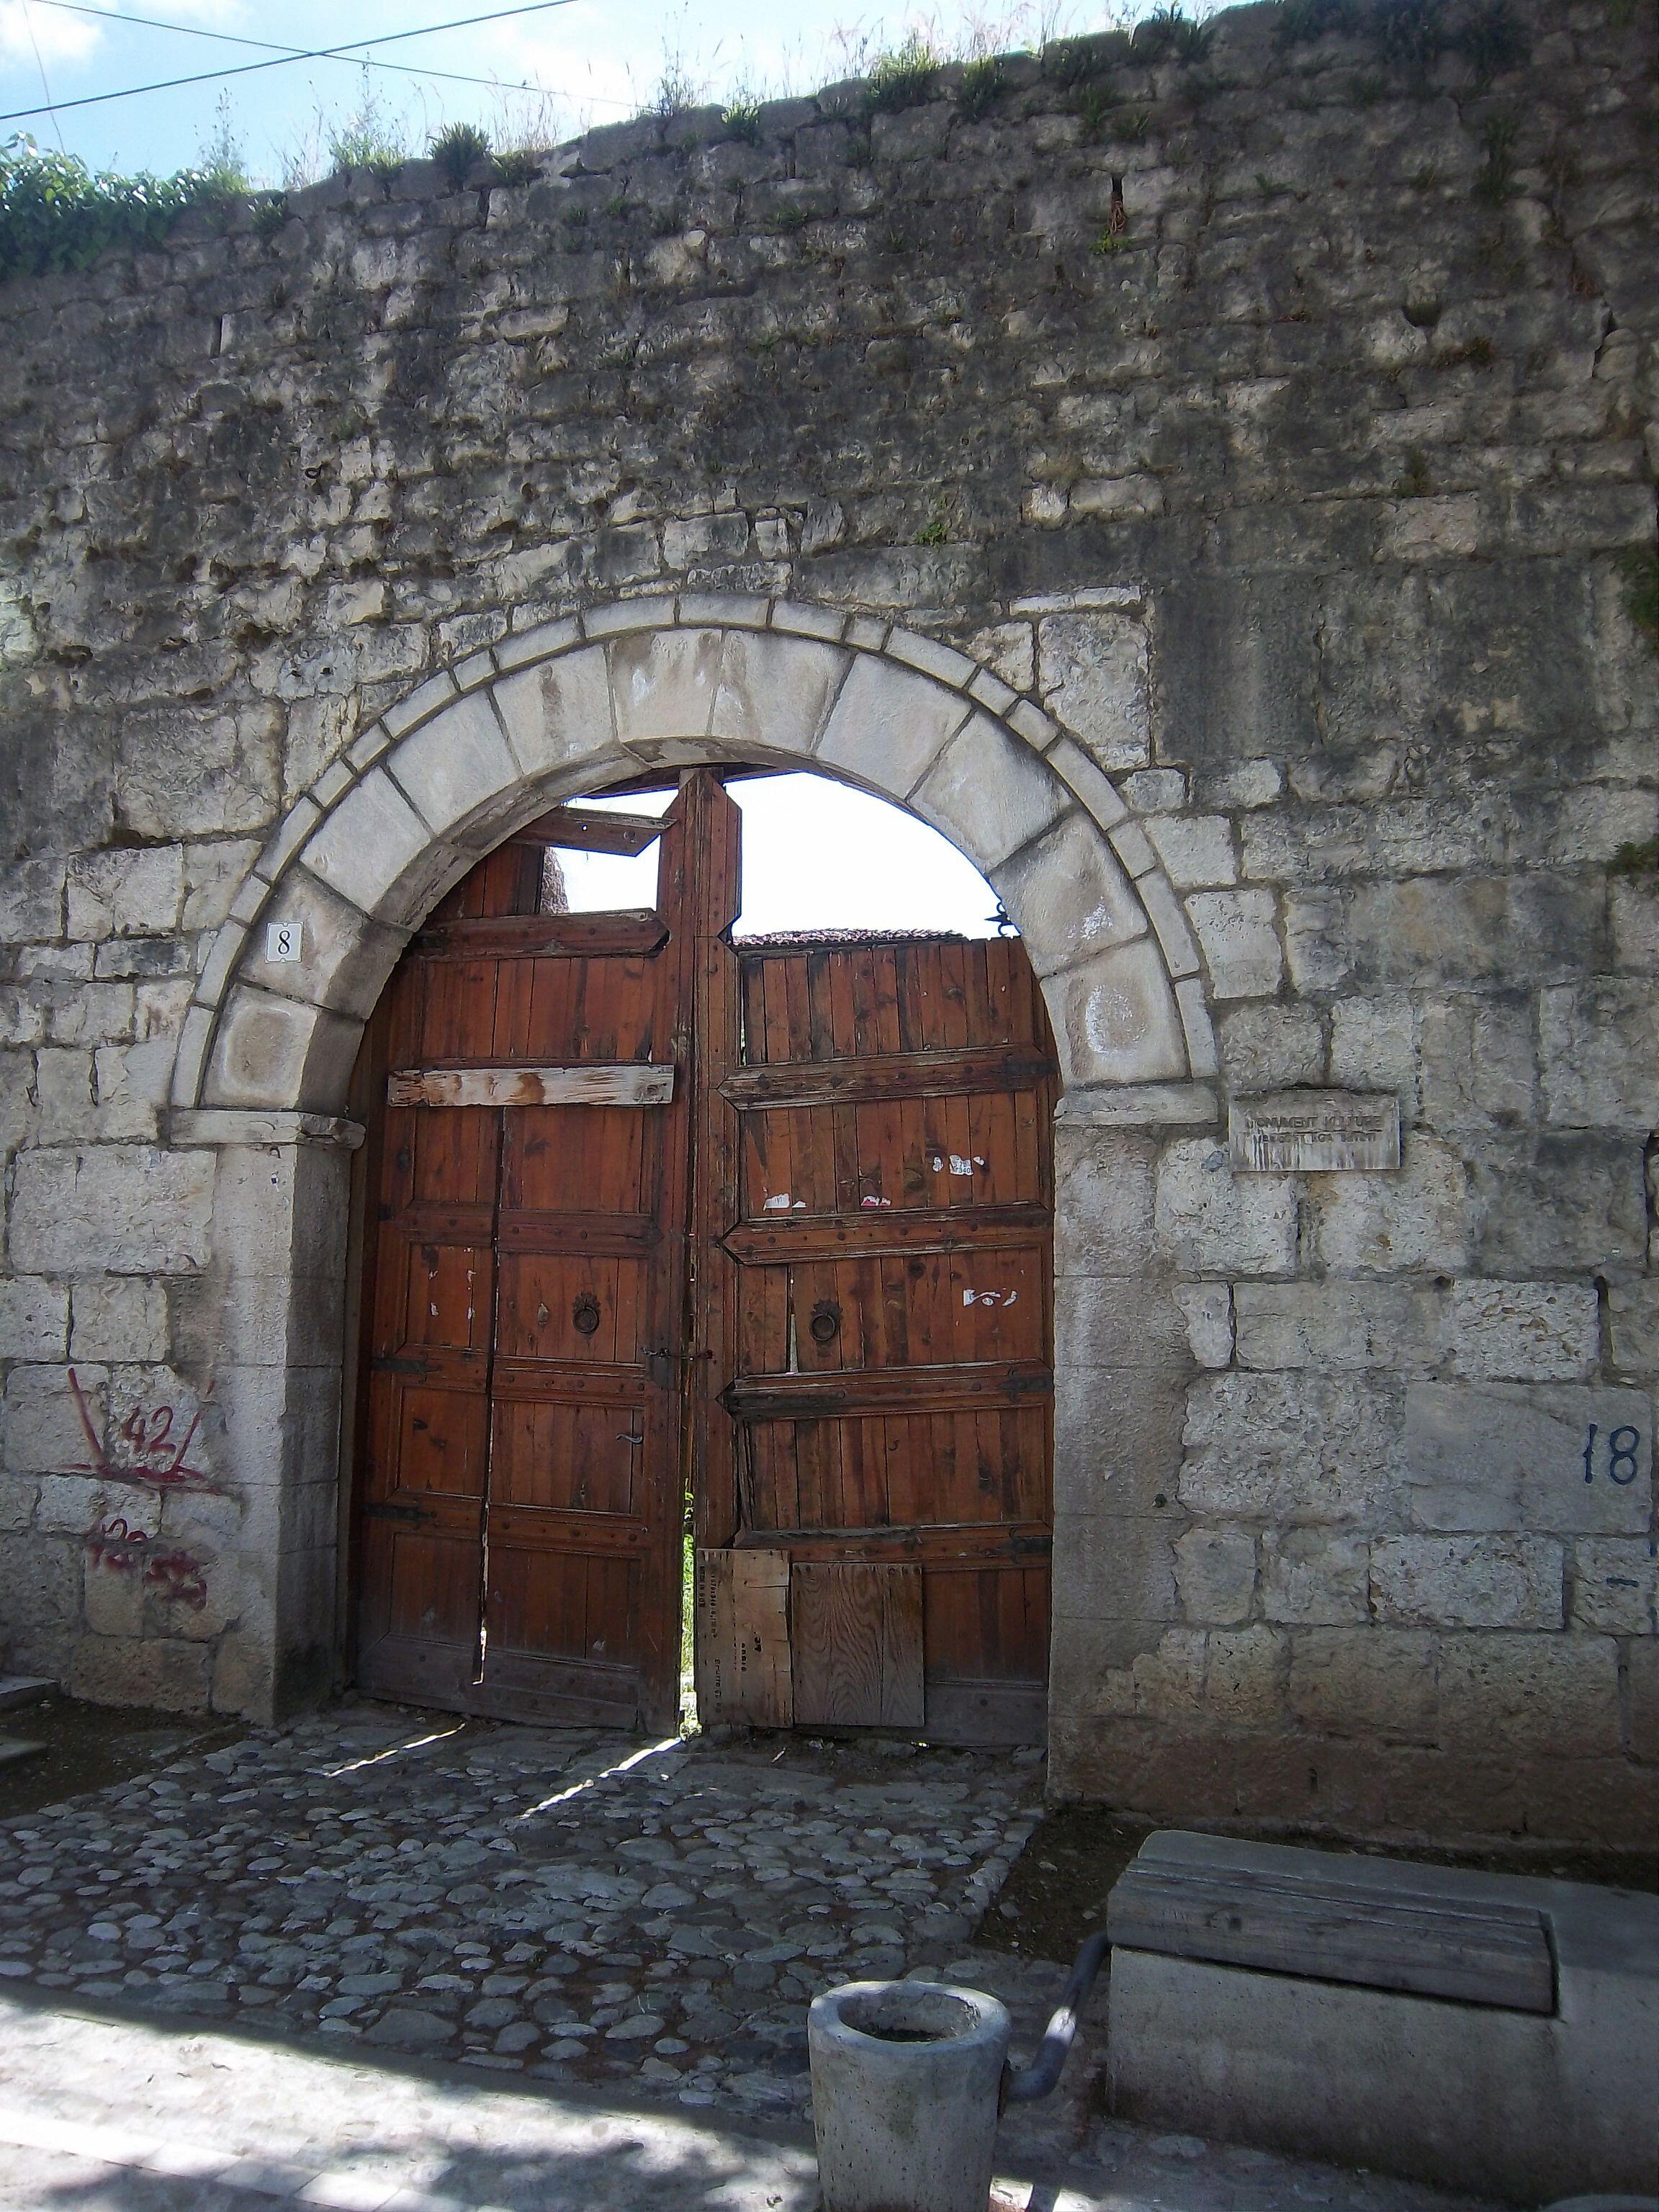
{"x":1024,"y":2085}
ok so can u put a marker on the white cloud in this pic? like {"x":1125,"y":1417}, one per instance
{"x":58,"y":37}
{"x":210,"y":15}
{"x":582,"y":64}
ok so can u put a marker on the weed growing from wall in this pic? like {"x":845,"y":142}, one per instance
{"x":1073,"y":62}
{"x":457,"y":150}
{"x":741,"y":119}
{"x":1170,"y":33}
{"x":905,"y":77}
{"x":520,"y":166}
{"x":1497,"y":178}
{"x":371,"y":138}
{"x":982,"y":82}
{"x":1641,"y":569}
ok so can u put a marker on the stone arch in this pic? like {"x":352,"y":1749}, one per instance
{"x":569,"y":707}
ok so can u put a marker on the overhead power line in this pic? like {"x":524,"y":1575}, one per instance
{"x":284,"y":60}
{"x":28,"y":25}
{"x":268,"y":47}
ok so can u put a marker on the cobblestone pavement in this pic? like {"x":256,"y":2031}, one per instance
{"x":568,"y":1906}
{"x":105,"y":2116}
{"x":325,"y":1964}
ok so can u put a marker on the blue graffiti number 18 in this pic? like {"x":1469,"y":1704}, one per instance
{"x":1622,"y":1446}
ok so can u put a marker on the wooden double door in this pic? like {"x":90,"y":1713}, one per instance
{"x":672,"y":1242}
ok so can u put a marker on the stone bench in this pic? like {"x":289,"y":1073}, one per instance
{"x":1497,"y":2033}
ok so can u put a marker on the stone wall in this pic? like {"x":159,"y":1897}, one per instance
{"x":1256,"y":444}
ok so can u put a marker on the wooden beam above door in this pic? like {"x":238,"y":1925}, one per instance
{"x":631,"y":1084}
{"x":590,"y":829}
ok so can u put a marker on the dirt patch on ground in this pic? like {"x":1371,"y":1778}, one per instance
{"x":89,"y":1746}
{"x":1055,"y":1894}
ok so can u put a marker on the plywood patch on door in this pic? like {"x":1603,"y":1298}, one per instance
{"x":856,"y":1645}
{"x":743,"y":1637}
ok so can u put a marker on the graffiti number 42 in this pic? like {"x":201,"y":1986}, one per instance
{"x":1621,"y":1446}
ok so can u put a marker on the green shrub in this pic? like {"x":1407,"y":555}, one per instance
{"x":520,"y":166}
{"x":55,"y":212}
{"x":1633,"y":860}
{"x":457,"y":149}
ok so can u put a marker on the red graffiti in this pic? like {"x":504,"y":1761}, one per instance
{"x":178,"y":1577}
{"x":156,"y":1457}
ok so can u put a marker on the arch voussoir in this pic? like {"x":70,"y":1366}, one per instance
{"x":576,"y":704}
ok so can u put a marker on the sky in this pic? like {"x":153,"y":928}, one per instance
{"x":816,"y":856}
{"x":586,"y":61}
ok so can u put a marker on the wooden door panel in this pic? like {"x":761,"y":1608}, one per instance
{"x":565,"y":1605}
{"x":873,"y":1311}
{"x":958,"y":1153}
{"x":985,"y":1634}
{"x":860,"y":1131}
{"x":886,"y":1267}
{"x":578,"y":1158}
{"x":522,"y":1484}
{"x":580,"y":1458}
{"x":577,"y":1308}
{"x":417,"y":1635}
{"x":913,"y":1472}
{"x":437,"y":1440}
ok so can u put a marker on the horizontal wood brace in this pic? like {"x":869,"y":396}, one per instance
{"x":457,"y":1519}
{"x":552,"y":1528}
{"x":873,"y":1230}
{"x":427,"y":1222}
{"x":992,"y":1543}
{"x":991,"y":1386}
{"x":479,"y":1229}
{"x":878,"y":1076}
{"x":450,"y":1366}
{"x":638,"y":930}
{"x":623,"y":1083}
{"x":598,"y":1235}
{"x":568,"y":1382}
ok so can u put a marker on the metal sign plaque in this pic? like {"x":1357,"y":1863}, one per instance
{"x":1314,"y":1132}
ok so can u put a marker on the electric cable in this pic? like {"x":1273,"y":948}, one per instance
{"x":282,"y":61}
{"x":28,"y":25}
{"x":269,"y":46}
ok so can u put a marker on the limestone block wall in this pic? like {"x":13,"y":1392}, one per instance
{"x":1248,"y":581}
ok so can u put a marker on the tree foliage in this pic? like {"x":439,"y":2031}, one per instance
{"x":55,"y":212}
